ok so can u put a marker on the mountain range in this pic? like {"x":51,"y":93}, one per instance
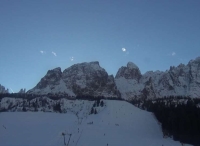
{"x":90,"y":79}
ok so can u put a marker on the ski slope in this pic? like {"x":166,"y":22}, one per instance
{"x":118,"y":123}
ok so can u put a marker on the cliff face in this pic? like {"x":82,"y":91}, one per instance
{"x":183,"y":80}
{"x":79,"y":79}
{"x":3,"y":89}
{"x":127,"y":80}
{"x":51,"y":83}
{"x":89,"y":79}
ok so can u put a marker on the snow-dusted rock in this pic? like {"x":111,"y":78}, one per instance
{"x":3,"y":89}
{"x":22,"y":91}
{"x":129,"y":72}
{"x":90,"y":79}
{"x":183,"y":80}
{"x":51,"y":83}
{"x":131,"y":65}
{"x":127,"y":81}
{"x":79,"y":79}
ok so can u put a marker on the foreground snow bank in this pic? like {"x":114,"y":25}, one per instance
{"x":119,"y":123}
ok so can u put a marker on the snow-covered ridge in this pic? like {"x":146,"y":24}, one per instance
{"x":90,"y":79}
{"x":45,"y":104}
{"x":183,"y":80}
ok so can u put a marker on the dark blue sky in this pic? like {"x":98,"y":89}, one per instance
{"x":38,"y":35}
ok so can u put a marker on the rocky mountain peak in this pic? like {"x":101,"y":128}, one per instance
{"x":22,"y":91}
{"x":129,"y":72}
{"x":88,"y":79}
{"x":181,"y":65}
{"x":94,"y":62}
{"x":195,"y":61}
{"x":51,"y":78}
{"x":131,"y":65}
{"x":3,"y":89}
{"x":58,"y":69}
{"x":51,"y":83}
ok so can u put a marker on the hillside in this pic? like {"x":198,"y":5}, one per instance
{"x":117,"y":123}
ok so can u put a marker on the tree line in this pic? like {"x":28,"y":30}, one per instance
{"x":56,"y":96}
{"x":179,"y":117}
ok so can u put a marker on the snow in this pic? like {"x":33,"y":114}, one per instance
{"x":7,"y":102}
{"x":183,"y":80}
{"x":118,"y":123}
{"x":128,"y":87}
{"x":61,"y":87}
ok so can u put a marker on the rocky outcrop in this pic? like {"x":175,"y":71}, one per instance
{"x":3,"y":90}
{"x":51,"y":83}
{"x":22,"y":91}
{"x":129,"y":72}
{"x":127,"y":81}
{"x":183,"y":80}
{"x":148,"y":91}
{"x":88,"y":79}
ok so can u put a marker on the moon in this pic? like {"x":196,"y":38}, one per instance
{"x":123,"y":49}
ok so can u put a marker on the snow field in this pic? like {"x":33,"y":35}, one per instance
{"x":118,"y":123}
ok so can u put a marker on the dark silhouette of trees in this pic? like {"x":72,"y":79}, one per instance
{"x":95,"y":111}
{"x":179,"y":119}
{"x":57,"y":108}
{"x":102,"y":103}
{"x":92,"y":111}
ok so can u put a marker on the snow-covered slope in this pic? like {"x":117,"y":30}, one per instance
{"x":183,"y":80}
{"x":51,"y":83}
{"x":118,"y":123}
{"x":45,"y":104}
{"x":3,"y":89}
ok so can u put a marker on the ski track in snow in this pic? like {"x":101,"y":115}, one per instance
{"x":118,"y":124}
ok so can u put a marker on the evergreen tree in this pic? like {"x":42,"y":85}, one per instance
{"x":95,"y":111}
{"x":92,"y":111}
{"x":57,"y":107}
{"x":24,"y":109}
{"x":102,"y":103}
{"x":98,"y":102}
